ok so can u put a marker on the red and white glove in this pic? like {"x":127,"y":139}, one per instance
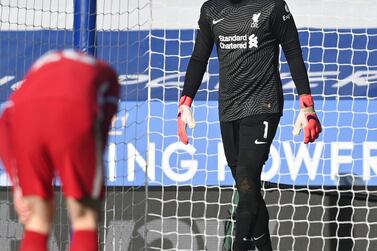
{"x":185,"y":118}
{"x":307,"y":119}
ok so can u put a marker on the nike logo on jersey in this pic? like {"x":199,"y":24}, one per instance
{"x":257,"y":142}
{"x":217,"y":21}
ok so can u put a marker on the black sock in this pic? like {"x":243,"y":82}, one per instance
{"x":263,"y":242}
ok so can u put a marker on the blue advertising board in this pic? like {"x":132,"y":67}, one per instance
{"x":342,"y":67}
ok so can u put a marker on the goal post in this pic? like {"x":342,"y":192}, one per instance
{"x":84,"y":25}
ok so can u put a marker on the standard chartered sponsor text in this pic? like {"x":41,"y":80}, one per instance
{"x":241,"y":42}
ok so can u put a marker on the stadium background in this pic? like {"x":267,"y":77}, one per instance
{"x":325,"y":193}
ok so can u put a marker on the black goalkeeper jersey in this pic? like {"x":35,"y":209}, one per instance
{"x":247,"y":35}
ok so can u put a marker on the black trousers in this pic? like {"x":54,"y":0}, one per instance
{"x":247,"y":145}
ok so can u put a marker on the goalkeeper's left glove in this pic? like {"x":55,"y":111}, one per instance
{"x":307,"y":119}
{"x":185,"y":118}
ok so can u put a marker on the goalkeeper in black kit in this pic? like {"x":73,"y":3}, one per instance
{"x":247,"y":34}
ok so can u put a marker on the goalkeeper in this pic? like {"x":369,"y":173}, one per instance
{"x":57,"y":124}
{"x":247,"y":35}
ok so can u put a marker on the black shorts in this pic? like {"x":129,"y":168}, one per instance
{"x":249,"y":139}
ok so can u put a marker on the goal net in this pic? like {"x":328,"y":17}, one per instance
{"x":163,"y":195}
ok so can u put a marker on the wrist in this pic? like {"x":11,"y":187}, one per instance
{"x":306,"y":101}
{"x":185,"y":100}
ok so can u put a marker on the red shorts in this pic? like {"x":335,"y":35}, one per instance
{"x":42,"y":140}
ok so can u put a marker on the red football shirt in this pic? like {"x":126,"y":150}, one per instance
{"x":70,"y":75}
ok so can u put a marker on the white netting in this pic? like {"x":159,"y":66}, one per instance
{"x":27,"y":30}
{"x":123,"y":37}
{"x":323,"y":199}
{"x":163,"y":195}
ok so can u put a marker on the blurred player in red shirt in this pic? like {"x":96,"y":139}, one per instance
{"x":57,"y":124}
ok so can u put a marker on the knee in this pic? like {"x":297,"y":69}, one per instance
{"x":249,"y":195}
{"x":83,"y":213}
{"x":247,"y":181}
{"x":35,"y":213}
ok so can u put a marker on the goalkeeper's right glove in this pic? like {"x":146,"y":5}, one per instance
{"x":307,"y":119}
{"x":185,"y":118}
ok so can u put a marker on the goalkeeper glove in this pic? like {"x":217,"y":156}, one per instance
{"x":307,"y":119}
{"x":185,"y":118}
